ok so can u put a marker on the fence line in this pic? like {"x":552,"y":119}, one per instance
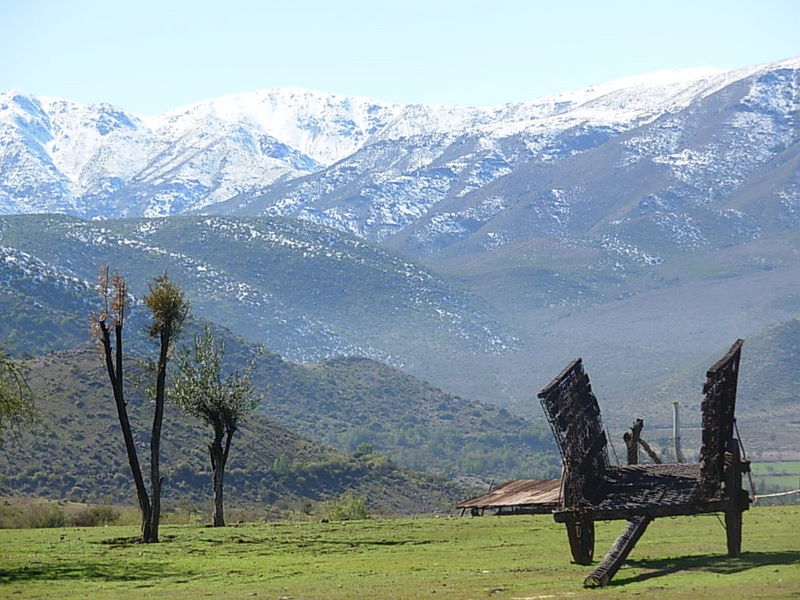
{"x":759,"y":496}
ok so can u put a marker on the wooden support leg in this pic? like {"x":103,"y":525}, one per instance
{"x":581,"y":540}
{"x":606,"y":570}
{"x":733,"y":530}
{"x":737,"y":499}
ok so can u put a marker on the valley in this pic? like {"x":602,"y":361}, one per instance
{"x":418,"y":273}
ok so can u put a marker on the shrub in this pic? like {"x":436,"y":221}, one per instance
{"x":377,"y":461}
{"x":44,"y":514}
{"x":282,"y":465}
{"x":10,"y":516}
{"x":347,"y":508}
{"x":94,"y":516}
{"x":364,"y":449}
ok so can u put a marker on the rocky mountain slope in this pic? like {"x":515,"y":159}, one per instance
{"x":306,"y":291}
{"x":377,"y":169}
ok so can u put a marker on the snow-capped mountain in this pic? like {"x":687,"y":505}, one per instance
{"x":719,"y":170}
{"x":432,"y":175}
{"x":642,"y":221}
{"x":97,"y":160}
{"x":542,"y":169}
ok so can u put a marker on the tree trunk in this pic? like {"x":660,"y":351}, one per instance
{"x":115,"y":374}
{"x":219,"y":458}
{"x":155,"y":440}
{"x":217,"y":470}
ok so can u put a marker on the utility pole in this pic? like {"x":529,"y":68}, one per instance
{"x":676,"y":433}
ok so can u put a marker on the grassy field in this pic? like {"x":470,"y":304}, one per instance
{"x":785,"y":467}
{"x":457,"y":558}
{"x":770,"y":477}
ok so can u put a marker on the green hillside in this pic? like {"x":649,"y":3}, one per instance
{"x":75,"y":452}
{"x":317,"y":293}
{"x":341,"y":402}
{"x":767,"y":404}
{"x":306,"y":290}
{"x":349,"y":401}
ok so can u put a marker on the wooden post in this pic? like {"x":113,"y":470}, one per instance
{"x":676,"y":433}
{"x":646,"y":447}
{"x":737,"y":501}
{"x":632,"y":440}
{"x":580,"y":532}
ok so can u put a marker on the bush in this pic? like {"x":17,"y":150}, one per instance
{"x":52,"y":514}
{"x":10,"y":516}
{"x":44,"y":514}
{"x":347,"y":508}
{"x":282,"y":465}
{"x":377,"y":461}
{"x":364,"y":449}
{"x":94,"y":516}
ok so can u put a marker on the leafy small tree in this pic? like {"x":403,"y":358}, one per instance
{"x":169,"y":310}
{"x":16,"y":399}
{"x":221,"y":402}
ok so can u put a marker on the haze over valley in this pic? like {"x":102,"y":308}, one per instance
{"x":643,"y":224}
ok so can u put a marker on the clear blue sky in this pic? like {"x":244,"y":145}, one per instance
{"x":147,"y":56}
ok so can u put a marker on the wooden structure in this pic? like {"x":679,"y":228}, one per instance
{"x":517,"y":497}
{"x":633,"y":441}
{"x":593,"y":489}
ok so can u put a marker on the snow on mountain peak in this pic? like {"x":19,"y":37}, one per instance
{"x":325,"y":127}
{"x":97,"y":159}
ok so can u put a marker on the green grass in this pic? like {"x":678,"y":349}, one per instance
{"x":778,"y":476}
{"x":784,"y":467}
{"x":508,"y":557}
{"x":787,"y":481}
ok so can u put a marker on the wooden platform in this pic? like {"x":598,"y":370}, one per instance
{"x":652,"y":490}
{"x":594,"y":490}
{"x":517,"y":497}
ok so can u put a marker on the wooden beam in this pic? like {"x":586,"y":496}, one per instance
{"x":606,"y":570}
{"x":626,"y":513}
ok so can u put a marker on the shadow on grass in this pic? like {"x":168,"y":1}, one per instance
{"x":321,"y":542}
{"x":122,"y":542}
{"x":711,"y":563}
{"x":84,"y":571}
{"x":358,"y":543}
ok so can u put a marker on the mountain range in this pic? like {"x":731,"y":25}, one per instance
{"x":433,"y":172}
{"x":643,"y":224}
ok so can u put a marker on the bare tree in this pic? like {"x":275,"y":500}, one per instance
{"x":169,"y":309}
{"x":220,"y":402}
{"x":107,"y":328}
